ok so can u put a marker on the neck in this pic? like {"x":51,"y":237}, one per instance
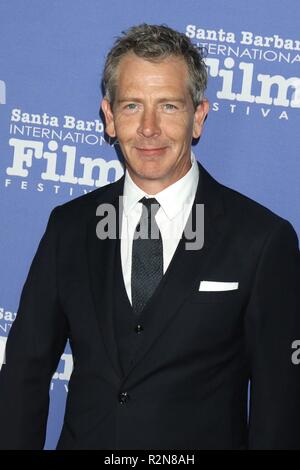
{"x":155,"y":186}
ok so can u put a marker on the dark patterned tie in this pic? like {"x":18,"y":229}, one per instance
{"x":147,"y":256}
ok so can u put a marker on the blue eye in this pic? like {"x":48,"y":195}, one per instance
{"x":170,"y":107}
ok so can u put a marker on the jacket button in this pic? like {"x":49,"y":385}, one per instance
{"x":138,"y":329}
{"x":123,"y":397}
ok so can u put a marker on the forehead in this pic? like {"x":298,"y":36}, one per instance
{"x":137,"y":72}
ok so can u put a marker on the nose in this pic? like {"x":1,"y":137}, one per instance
{"x":149,"y":125}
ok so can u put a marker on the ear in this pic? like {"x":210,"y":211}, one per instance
{"x":109,"y":118}
{"x":199,"y":118}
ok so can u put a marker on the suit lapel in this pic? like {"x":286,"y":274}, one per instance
{"x":101,"y":260}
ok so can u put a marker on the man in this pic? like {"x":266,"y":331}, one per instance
{"x":165,"y":334}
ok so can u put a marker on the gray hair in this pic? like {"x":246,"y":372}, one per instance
{"x":155,"y":43}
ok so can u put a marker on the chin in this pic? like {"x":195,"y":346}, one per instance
{"x":148,"y":175}
{"x":149,"y":171}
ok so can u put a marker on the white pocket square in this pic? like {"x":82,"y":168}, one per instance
{"x":217,"y":286}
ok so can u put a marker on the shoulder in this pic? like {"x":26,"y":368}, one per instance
{"x":246,"y":216}
{"x":247,"y":209}
{"x":257,"y":220}
{"x":84,"y":207}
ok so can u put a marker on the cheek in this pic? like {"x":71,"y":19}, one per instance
{"x":179,"y":128}
{"x":181,"y":120}
{"x":126,"y":127}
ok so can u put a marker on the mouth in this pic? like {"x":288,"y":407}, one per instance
{"x":151,"y":152}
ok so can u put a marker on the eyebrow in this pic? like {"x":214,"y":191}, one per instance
{"x":160,"y":100}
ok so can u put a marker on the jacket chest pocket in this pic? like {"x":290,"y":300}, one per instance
{"x":214,"y":296}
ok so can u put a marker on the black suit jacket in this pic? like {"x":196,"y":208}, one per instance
{"x":187,"y":387}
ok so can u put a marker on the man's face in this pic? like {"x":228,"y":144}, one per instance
{"x":154,"y":120}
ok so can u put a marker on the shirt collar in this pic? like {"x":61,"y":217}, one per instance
{"x":171,"y":199}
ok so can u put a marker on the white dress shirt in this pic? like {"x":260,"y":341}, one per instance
{"x":175,"y":205}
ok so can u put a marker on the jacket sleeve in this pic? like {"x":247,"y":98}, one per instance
{"x":272,"y":324}
{"x":35,"y":343}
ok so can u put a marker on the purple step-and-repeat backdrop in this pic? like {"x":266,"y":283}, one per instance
{"x":52,"y":145}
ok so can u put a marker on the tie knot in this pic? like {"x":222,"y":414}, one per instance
{"x":150,"y":203}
